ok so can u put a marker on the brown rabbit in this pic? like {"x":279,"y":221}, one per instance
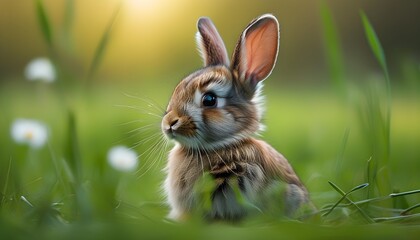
{"x":214,"y":115}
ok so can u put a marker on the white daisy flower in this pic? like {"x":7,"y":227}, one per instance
{"x":40,"y":69}
{"x":31,"y":132}
{"x":122,"y":158}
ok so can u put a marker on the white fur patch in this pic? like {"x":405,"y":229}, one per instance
{"x":220,"y":88}
{"x":259,"y":101}
{"x":198,"y":95}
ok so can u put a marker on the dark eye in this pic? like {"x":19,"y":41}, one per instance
{"x":209,"y":100}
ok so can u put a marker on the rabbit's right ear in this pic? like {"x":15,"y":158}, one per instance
{"x":256,"y":51}
{"x":210,"y":44}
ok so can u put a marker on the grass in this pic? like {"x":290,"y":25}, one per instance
{"x":102,"y":46}
{"x":359,"y":166}
{"x":58,"y":202}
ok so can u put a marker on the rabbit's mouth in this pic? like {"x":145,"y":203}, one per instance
{"x":182,"y":139}
{"x":169,"y":133}
{"x":178,"y":128}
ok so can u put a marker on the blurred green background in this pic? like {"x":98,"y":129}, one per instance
{"x":333,"y":109}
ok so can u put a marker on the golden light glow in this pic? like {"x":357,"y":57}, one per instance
{"x":148,"y":7}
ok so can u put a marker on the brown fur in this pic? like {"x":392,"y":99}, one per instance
{"x":186,"y":166}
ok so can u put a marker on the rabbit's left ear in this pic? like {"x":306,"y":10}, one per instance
{"x":256,"y":51}
{"x":210,"y":44}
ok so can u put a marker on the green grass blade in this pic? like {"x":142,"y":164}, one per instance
{"x":379,"y":53}
{"x":374,"y":42}
{"x":361,"y":186}
{"x":336,"y":188}
{"x":344,"y":196}
{"x":44,"y":22}
{"x":370,"y":175}
{"x":57,"y":168}
{"x":338,"y":202}
{"x":68,"y":21}
{"x":6,"y":184}
{"x":406,"y":218}
{"x":361,"y":202}
{"x":68,"y":16}
{"x":23,"y":198}
{"x":73,"y":152}
{"x":383,"y":181}
{"x":74,"y":160}
{"x":410,"y":209}
{"x":103,"y":44}
{"x":333,"y":48}
{"x":404,"y":193}
{"x":340,"y":155}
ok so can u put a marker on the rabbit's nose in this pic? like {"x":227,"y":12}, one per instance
{"x":170,"y":127}
{"x":173,"y":124}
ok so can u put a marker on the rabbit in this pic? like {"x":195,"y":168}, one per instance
{"x":214,"y":116}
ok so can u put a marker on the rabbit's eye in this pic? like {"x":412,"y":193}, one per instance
{"x":209,"y":100}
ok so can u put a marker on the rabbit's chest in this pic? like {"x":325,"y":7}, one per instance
{"x":235,"y":184}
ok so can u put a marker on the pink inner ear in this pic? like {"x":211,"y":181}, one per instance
{"x":261,"y":49}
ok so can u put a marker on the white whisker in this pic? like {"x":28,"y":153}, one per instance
{"x":151,"y":103}
{"x":146,"y":140}
{"x":144,"y":128}
{"x":131,"y":122}
{"x":153,"y":146}
{"x":148,"y":133}
{"x":141,"y":109}
{"x":205,"y":152}
{"x":201,"y":160}
{"x":152,"y":152}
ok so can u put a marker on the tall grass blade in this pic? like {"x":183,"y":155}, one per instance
{"x":6,"y":184}
{"x":44,"y":22}
{"x":374,"y":42}
{"x":73,"y":152}
{"x":333,"y":49}
{"x":378,"y":51}
{"x":340,"y":155}
{"x":75,"y":162}
{"x":370,"y":178}
{"x":68,"y":21}
{"x":57,"y":168}
{"x":103,"y":44}
{"x":379,"y":54}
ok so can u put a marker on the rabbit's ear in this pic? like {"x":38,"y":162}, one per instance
{"x":210,"y":44}
{"x":256,"y":51}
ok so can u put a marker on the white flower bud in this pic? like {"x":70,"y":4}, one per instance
{"x":31,"y":132}
{"x":40,"y":69}
{"x":122,"y":158}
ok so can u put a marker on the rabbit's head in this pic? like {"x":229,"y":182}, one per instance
{"x":220,"y":104}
